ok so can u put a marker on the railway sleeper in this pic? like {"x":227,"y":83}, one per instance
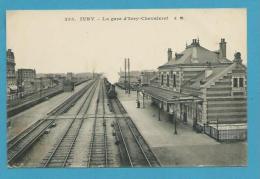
{"x":101,"y":152}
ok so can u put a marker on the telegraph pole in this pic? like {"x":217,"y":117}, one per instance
{"x":125,"y":77}
{"x":129,"y":84}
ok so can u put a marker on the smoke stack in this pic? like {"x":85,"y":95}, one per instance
{"x":222,"y":48}
{"x":169,"y":54}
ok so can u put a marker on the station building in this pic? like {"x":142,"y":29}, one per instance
{"x":205,"y":89}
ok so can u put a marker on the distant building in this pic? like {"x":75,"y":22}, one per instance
{"x":147,"y":75}
{"x":41,"y":75}
{"x":134,"y":77}
{"x":43,"y":83}
{"x":11,"y":76}
{"x":86,"y":75}
{"x":26,"y":79}
{"x":49,"y":79}
{"x":55,"y":75}
{"x":70,"y":76}
{"x":204,"y":88}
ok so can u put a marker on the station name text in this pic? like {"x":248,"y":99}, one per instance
{"x":118,"y":19}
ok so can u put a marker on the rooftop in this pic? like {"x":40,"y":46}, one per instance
{"x":213,"y":73}
{"x":201,"y":77}
{"x":196,"y":54}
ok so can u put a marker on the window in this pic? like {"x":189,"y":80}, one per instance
{"x":174,"y":80}
{"x":235,"y":85}
{"x":238,"y":82}
{"x":241,"y":82}
{"x":167,"y":80}
{"x":162,"y":79}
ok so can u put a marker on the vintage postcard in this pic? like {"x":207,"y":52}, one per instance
{"x":126,"y":88}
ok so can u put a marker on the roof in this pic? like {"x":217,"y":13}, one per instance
{"x":196,"y":54}
{"x":167,"y":95}
{"x":216,"y":73}
{"x":195,"y":82}
{"x":222,"y":72}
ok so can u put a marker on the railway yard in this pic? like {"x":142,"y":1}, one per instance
{"x":82,"y":128}
{"x":99,"y":125}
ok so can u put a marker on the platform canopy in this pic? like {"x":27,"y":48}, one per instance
{"x":168,"y":96}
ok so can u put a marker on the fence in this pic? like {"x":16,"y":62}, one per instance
{"x":233,"y":134}
{"x":16,"y":96}
{"x":22,"y":97}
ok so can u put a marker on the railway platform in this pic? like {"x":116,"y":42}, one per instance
{"x":24,"y":119}
{"x":22,"y":104}
{"x":187,"y":148}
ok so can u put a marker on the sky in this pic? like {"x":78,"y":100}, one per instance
{"x":61,"y":41}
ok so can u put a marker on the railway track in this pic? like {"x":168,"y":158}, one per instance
{"x":134,"y":150}
{"x":66,"y":105}
{"x":61,"y":153}
{"x":20,"y":143}
{"x":98,"y":150}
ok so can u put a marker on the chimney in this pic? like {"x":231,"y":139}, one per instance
{"x":169,"y":54}
{"x":222,"y":49}
{"x":237,"y":58}
{"x":195,"y":43}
